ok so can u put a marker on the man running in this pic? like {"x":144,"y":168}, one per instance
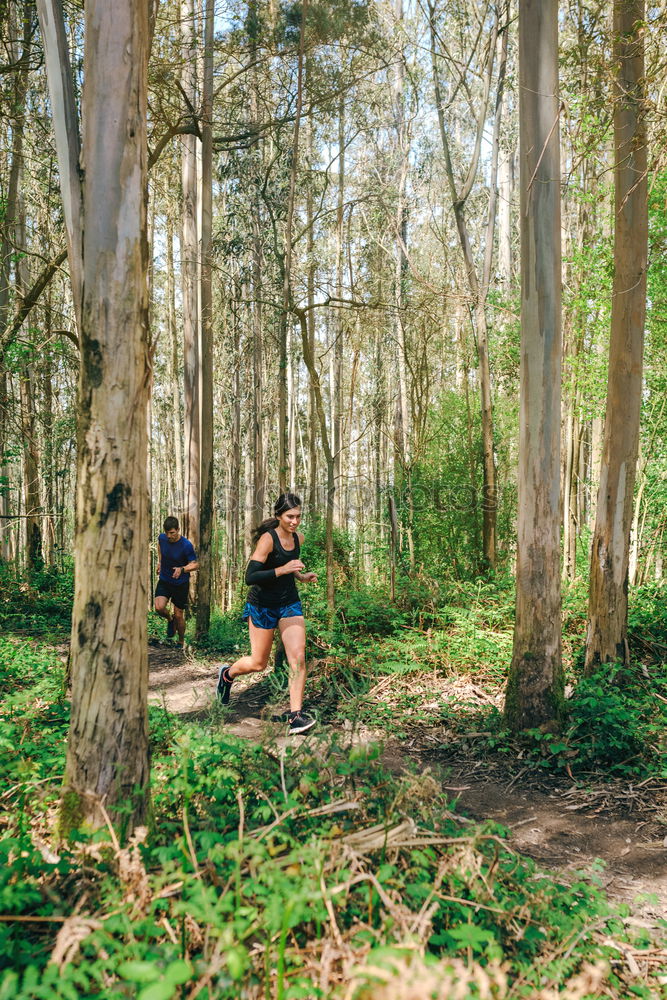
{"x":177,"y":559}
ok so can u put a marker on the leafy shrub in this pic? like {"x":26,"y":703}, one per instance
{"x":41,"y":604}
{"x":368,"y":611}
{"x":616,"y":722}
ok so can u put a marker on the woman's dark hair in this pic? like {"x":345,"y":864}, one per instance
{"x":285,"y":502}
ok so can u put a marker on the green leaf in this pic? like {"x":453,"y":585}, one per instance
{"x":178,"y":972}
{"x":139,"y":972}
{"x":237,"y":961}
{"x":469,"y":934}
{"x":163,"y":990}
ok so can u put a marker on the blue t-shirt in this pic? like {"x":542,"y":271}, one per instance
{"x":174,"y":554}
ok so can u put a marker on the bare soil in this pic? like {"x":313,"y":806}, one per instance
{"x":615,"y":830}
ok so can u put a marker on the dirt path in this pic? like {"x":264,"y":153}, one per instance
{"x":618,"y":832}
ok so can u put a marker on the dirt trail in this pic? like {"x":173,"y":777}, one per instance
{"x":559,"y":824}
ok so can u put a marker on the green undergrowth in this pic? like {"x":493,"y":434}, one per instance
{"x":305,"y":872}
{"x":252,"y":864}
{"x":38,"y":606}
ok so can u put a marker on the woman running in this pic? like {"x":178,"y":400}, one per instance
{"x":273,"y":602}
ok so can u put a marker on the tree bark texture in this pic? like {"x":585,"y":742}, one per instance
{"x":107,"y":755}
{"x":205,"y":576}
{"x":607,"y":636}
{"x":535,"y":686}
{"x":189,"y":277}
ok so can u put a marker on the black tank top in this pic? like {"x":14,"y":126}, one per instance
{"x":282,"y":589}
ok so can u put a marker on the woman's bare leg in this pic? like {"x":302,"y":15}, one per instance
{"x":261,"y":640}
{"x":293,"y":634}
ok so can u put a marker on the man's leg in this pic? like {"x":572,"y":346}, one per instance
{"x":179,"y":622}
{"x":161,"y":607}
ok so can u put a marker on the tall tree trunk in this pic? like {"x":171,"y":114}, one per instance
{"x":258,"y":498}
{"x":33,"y":508}
{"x":31,"y":466}
{"x":607,"y":636}
{"x":48,"y":526}
{"x":312,"y":406}
{"x":175,"y":397}
{"x":5,"y":521}
{"x":287,"y":263}
{"x":205,"y":577}
{"x":12,"y":237}
{"x":107,"y":750}
{"x":311,"y":365}
{"x":66,"y":130}
{"x":189,"y":274}
{"x":535,"y":685}
{"x":339,"y":326}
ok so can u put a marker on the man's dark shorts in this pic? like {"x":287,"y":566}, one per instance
{"x":177,"y":594}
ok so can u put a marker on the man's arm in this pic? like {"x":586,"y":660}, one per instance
{"x":190,"y":566}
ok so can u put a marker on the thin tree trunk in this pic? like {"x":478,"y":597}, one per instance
{"x":205,"y":576}
{"x":189,"y":273}
{"x":48,"y":527}
{"x":33,"y":507}
{"x":176,"y":401}
{"x":607,"y":636}
{"x":309,"y":360}
{"x":258,"y":498}
{"x":535,"y":686}
{"x":66,"y":129}
{"x":287,"y":264}
{"x":337,"y":354}
{"x":5,"y":522}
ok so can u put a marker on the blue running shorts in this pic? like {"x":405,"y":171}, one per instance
{"x":269,"y":617}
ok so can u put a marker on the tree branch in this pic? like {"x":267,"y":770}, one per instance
{"x":29,"y":300}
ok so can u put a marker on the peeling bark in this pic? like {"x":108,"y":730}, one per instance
{"x":535,"y":685}
{"x":607,"y":636}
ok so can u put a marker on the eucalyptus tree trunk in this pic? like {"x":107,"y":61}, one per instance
{"x":107,"y":751}
{"x":174,"y":377}
{"x":607,"y":636}
{"x":256,"y":499}
{"x":48,"y":526}
{"x":535,"y":686}
{"x":34,"y":559}
{"x":283,"y":461}
{"x":339,"y":326}
{"x":311,"y":365}
{"x":189,"y":276}
{"x":310,"y":322}
{"x":205,"y":577}
{"x":12,"y":239}
{"x":31,"y":478}
{"x":5,"y":521}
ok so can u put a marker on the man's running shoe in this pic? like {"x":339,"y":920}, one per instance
{"x":224,"y":683}
{"x":171,"y":628}
{"x":299,"y":722}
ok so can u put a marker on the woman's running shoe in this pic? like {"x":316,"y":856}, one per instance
{"x":224,"y":683}
{"x":300,"y":722}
